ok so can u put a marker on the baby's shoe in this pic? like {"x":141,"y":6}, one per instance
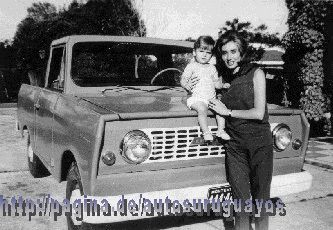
{"x":208,"y":137}
{"x":222,"y":134}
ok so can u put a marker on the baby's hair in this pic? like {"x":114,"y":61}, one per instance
{"x":204,"y":42}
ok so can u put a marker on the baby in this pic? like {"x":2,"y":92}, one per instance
{"x":204,"y":90}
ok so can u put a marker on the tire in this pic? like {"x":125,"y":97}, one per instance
{"x":73,"y":185}
{"x":36,"y":167}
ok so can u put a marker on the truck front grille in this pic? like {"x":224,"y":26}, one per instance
{"x":173,"y":144}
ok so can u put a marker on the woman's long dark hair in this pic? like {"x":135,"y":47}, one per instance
{"x":230,"y":36}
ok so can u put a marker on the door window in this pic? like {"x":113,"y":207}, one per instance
{"x":57,"y":69}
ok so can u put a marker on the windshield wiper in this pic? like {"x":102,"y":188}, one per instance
{"x":165,"y":87}
{"x":162,"y":88}
{"x":123,"y":87}
{"x":133,"y":88}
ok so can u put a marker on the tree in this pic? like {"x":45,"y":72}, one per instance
{"x":305,"y":44}
{"x":106,"y":17}
{"x":33,"y":34}
{"x":256,"y":35}
{"x":234,"y":25}
{"x":44,"y":23}
{"x":41,"y":11}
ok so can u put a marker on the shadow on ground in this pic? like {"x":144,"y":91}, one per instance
{"x":165,"y":222}
{"x":326,"y":139}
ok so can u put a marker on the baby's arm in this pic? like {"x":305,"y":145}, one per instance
{"x":186,"y":76}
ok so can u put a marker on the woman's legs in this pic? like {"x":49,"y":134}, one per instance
{"x":238,"y":175}
{"x":261,"y":177}
{"x":249,"y":172}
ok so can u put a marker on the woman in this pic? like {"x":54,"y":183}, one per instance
{"x":249,"y":153}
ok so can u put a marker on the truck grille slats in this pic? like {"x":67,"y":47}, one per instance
{"x":173,"y":144}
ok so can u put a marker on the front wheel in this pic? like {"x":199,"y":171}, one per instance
{"x":73,"y":191}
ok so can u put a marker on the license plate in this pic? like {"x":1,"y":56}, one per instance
{"x":222,"y":193}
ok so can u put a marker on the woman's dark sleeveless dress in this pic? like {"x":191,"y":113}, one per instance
{"x":249,"y":153}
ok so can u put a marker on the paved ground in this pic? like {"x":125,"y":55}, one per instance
{"x":9,"y":134}
{"x":310,"y":210}
{"x":320,"y":152}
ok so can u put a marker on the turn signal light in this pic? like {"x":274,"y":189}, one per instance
{"x":108,"y":158}
{"x":297,"y":143}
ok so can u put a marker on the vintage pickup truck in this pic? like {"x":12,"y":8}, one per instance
{"x":112,"y":120}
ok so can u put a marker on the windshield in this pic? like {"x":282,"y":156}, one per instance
{"x":100,"y":64}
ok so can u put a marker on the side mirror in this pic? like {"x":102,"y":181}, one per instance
{"x":56,"y":84}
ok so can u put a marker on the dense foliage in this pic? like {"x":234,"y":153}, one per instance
{"x":7,"y":54}
{"x":305,"y":44}
{"x":8,"y":76}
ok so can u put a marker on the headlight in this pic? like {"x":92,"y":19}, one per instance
{"x":281,"y":137}
{"x":136,"y":147}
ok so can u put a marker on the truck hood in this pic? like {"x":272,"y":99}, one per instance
{"x":134,"y":106}
{"x":139,"y":103}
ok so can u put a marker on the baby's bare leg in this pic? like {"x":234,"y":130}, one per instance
{"x":220,"y":128}
{"x":202,"y":110}
{"x":220,"y":122}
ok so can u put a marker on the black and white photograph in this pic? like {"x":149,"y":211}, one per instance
{"x":166,"y":114}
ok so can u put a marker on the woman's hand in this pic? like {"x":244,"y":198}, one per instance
{"x":218,"y":107}
{"x":226,"y":86}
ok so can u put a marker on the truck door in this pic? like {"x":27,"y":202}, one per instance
{"x":46,"y":104}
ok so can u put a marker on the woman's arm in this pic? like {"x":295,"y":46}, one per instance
{"x":218,"y":82}
{"x":258,"y":111}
